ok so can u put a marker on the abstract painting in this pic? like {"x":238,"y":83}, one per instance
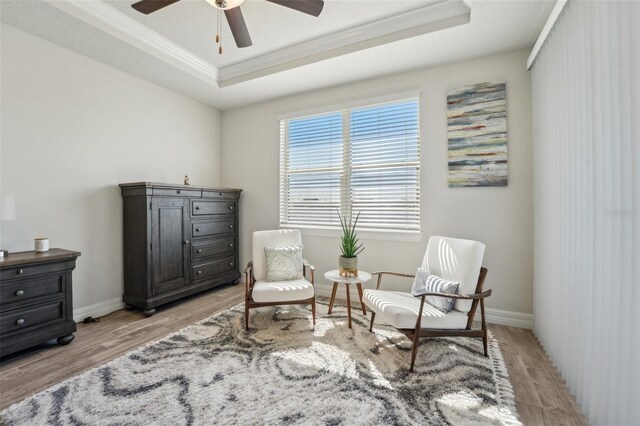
{"x":477,"y":133}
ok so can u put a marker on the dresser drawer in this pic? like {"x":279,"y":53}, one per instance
{"x":211,"y":193}
{"x":201,"y":208}
{"x":177,"y":192}
{"x":32,"y":270}
{"x":47,"y":286}
{"x":203,"y":229}
{"x":19,"y":319}
{"x":212,"y":248}
{"x":216,"y":267}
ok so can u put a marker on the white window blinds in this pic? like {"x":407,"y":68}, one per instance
{"x":360,"y":160}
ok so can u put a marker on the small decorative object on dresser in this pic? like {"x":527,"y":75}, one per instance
{"x":36,"y":303}
{"x":41,"y":245}
{"x":178,"y":240}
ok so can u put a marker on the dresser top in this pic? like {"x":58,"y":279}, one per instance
{"x":29,"y":257}
{"x":172,"y":185}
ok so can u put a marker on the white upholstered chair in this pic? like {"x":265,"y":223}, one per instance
{"x":259,"y":292}
{"x":451,"y":259}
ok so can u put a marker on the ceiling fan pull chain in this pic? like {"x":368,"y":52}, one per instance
{"x":219,"y":35}
{"x":217,"y":26}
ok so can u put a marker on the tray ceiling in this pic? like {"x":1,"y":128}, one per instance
{"x":292,"y":52}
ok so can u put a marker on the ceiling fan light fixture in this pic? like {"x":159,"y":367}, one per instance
{"x":225,"y":4}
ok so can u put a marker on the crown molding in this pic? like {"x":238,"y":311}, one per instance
{"x":551,"y":21}
{"x":128,"y":30}
{"x":434,"y":17}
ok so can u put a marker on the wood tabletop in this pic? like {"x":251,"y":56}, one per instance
{"x":29,"y":257}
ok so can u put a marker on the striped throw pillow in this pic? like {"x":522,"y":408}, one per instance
{"x":425,"y":282}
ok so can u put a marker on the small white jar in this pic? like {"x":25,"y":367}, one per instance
{"x":42,"y":245}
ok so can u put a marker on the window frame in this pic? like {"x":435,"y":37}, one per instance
{"x":332,"y":231}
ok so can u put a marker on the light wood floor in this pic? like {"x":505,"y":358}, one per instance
{"x":541,"y":396}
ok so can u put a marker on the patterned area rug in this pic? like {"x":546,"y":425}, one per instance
{"x":282,"y":372}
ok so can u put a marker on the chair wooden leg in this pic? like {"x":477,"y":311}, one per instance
{"x":416,"y":335}
{"x":485,"y":343}
{"x":333,"y":297}
{"x":414,"y":350}
{"x":485,"y":338}
{"x":373,"y":315}
{"x":313,"y":310}
{"x":246,"y":316}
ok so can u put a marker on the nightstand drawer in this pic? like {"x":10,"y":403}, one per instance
{"x":204,"y":229}
{"x":40,"y":286}
{"x":19,"y":319}
{"x":31,"y":270}
{"x":202,"y":208}
{"x":213,"y":247}
{"x":216,"y":267}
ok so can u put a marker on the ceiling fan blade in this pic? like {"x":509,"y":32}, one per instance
{"x":150,"y":6}
{"x":310,"y":7}
{"x":238,"y":27}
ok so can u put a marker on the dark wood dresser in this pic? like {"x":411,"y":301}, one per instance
{"x":178,"y":240}
{"x":36,"y":299}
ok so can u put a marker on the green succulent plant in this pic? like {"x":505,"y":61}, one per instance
{"x":349,"y":243}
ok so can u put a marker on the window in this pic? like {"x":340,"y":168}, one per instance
{"x":355,"y":160}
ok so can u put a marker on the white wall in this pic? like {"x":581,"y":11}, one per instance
{"x":499,"y":217}
{"x":72,"y":129}
{"x":586,"y":95}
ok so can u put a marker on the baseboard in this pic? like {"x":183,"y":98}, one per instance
{"x":98,"y":310}
{"x":513,"y":319}
{"x":493,"y":316}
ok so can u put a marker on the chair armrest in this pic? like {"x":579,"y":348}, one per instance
{"x":397,"y":274}
{"x":305,"y":265}
{"x":482,"y":295}
{"x":380,"y":274}
{"x":248,"y":281}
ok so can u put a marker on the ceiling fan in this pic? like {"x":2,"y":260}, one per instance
{"x":231,"y":9}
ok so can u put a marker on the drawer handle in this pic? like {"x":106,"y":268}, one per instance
{"x":230,"y":207}
{"x":20,"y":321}
{"x":230,"y":226}
{"x":185,"y":242}
{"x":197,"y":229}
{"x":197,"y":207}
{"x":230,"y":263}
{"x":199,"y":272}
{"x":231,"y":245}
{"x":199,"y":251}
{"x":20,"y":271}
{"x":19,"y":292}
{"x":179,"y":192}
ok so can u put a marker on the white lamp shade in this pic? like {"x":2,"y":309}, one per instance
{"x":8,"y":207}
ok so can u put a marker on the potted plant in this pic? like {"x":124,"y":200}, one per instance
{"x":350,"y":247}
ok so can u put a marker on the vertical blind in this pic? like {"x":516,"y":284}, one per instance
{"x":362,"y":160}
{"x":586,"y":102}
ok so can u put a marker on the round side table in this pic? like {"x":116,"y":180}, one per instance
{"x":335,"y":277}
